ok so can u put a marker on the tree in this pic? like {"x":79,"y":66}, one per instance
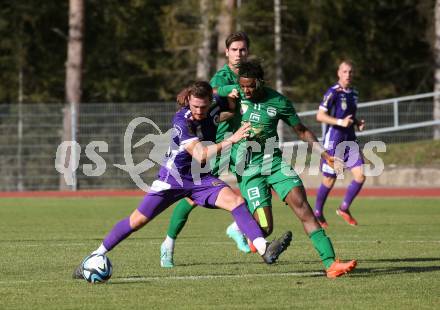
{"x":225,"y":26}
{"x":436,"y":111}
{"x":74,"y":67}
{"x":204,"y":61}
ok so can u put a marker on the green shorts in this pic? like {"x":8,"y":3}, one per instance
{"x":256,"y":187}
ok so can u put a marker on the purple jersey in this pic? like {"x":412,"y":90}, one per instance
{"x":339,"y":103}
{"x":175,"y":180}
{"x":186,"y":130}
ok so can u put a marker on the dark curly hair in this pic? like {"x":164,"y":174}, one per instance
{"x":251,"y":69}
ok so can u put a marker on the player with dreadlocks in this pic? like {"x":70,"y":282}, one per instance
{"x":263,"y":168}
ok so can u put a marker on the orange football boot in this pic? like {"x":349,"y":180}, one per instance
{"x":346,"y":215}
{"x":339,"y":268}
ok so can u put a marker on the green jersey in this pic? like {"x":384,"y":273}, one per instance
{"x":264,"y":115}
{"x":225,"y":80}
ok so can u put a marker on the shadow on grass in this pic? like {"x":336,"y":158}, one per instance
{"x":402,"y":260}
{"x":388,"y":270}
{"x":371,"y":272}
{"x":358,"y":272}
{"x":235,"y":263}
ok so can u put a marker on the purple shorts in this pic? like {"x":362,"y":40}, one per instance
{"x":351,"y":155}
{"x":163,"y":194}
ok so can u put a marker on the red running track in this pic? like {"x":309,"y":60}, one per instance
{"x":337,"y":192}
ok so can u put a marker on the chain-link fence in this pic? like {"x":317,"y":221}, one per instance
{"x":31,"y":134}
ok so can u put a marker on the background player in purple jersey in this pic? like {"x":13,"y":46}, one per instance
{"x":193,"y":124}
{"x":338,"y":111}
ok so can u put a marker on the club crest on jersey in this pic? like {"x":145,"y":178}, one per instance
{"x":216,"y":183}
{"x":254,"y":117}
{"x":243,"y":108}
{"x":343,"y":103}
{"x":272,"y":112}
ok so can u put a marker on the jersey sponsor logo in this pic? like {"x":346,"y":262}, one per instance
{"x":254,"y":117}
{"x":272,"y":112}
{"x":253,"y":193}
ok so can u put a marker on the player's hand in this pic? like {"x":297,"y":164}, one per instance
{"x":241,"y":133}
{"x":361,"y":125}
{"x":347,"y":121}
{"x":335,"y":162}
{"x":234,"y":94}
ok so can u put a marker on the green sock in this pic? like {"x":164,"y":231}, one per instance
{"x":324,"y":246}
{"x":179,"y":217}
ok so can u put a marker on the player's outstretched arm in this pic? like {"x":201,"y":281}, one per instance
{"x":202,"y":153}
{"x":308,"y":136}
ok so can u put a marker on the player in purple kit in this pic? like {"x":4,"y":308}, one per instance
{"x":338,"y":111}
{"x":194,"y":123}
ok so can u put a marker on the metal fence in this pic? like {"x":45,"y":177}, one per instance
{"x":31,"y":133}
{"x":396,"y":120}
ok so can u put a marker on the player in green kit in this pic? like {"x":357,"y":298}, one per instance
{"x":223,"y":82}
{"x":260,"y":168}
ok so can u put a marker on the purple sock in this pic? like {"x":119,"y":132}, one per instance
{"x":246,"y":222}
{"x":321,"y":197}
{"x":352,"y":191}
{"x":118,"y":233}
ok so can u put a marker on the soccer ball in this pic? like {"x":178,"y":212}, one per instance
{"x":97,"y":268}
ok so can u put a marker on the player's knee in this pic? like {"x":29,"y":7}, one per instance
{"x":190,"y":202}
{"x":238,"y":200}
{"x":296,"y":200}
{"x":328,"y":182}
{"x":360,"y":178}
{"x":138,"y":220}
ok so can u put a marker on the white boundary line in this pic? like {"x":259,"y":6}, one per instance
{"x":219,"y":276}
{"x":179,"y":278}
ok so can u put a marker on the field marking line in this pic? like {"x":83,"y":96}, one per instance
{"x":179,"y":278}
{"x":210,"y":277}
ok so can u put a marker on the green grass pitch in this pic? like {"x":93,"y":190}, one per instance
{"x":397,"y":245}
